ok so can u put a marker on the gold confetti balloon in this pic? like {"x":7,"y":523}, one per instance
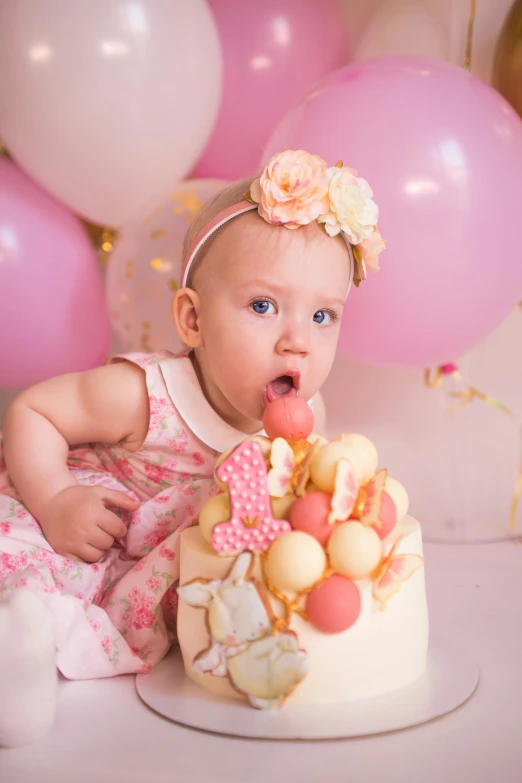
{"x":507,"y":68}
{"x":144,"y":269}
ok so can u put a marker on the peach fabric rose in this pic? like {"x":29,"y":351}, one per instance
{"x":369,"y":251}
{"x":296,"y":188}
{"x":352,"y":209}
{"x":292,"y":190}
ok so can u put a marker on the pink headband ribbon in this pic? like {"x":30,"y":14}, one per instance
{"x":223,"y":217}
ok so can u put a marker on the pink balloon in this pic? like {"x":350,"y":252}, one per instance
{"x":53,"y":317}
{"x":443,"y":154}
{"x":274,"y":51}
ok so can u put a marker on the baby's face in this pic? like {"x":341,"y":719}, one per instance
{"x":271,"y":301}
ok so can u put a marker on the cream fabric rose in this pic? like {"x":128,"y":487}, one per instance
{"x":352,"y":209}
{"x":369,"y":251}
{"x":292,"y":190}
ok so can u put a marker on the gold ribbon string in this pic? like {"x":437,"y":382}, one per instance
{"x":469,"y":35}
{"x":436,"y":378}
{"x":290,"y":605}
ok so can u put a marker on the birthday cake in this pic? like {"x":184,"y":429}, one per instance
{"x":303,"y":582}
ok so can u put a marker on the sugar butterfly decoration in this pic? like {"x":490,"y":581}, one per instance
{"x":290,"y":467}
{"x":352,"y":500}
{"x":393,"y":572}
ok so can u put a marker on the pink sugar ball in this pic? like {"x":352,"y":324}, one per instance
{"x":310,"y":514}
{"x":334,"y":605}
{"x":288,"y":417}
{"x":387,"y":517}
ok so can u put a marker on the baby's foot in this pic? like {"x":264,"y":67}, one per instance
{"x":28,"y":675}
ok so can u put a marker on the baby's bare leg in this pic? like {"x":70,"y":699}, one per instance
{"x":28,"y":674}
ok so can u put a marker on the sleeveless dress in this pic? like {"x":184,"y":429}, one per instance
{"x":118,"y":616}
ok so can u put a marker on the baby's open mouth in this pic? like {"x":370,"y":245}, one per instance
{"x":282,"y":386}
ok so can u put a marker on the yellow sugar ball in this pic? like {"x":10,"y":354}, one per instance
{"x":281,"y":506}
{"x":355,"y":550}
{"x":399,"y":496}
{"x":364,"y":456}
{"x":317,"y":440}
{"x":323,"y":466}
{"x":295,"y":561}
{"x":215,"y":510}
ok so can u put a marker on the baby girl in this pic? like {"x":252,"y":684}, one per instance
{"x":101,"y":471}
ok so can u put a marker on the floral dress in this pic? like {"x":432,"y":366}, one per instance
{"x":117,"y":616}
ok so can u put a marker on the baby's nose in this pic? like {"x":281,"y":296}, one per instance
{"x":294,"y":341}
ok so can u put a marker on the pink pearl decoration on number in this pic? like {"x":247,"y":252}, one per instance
{"x":252,"y":525}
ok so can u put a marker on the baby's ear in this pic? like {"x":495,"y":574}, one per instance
{"x":185,"y":311}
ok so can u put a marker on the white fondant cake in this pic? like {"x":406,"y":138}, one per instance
{"x":381,"y":652}
{"x":304,"y":581}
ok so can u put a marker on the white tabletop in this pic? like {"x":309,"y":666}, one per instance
{"x":104,"y":734}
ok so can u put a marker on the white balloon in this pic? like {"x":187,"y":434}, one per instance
{"x":489,"y":19}
{"x":435,"y":28}
{"x":108,"y":103}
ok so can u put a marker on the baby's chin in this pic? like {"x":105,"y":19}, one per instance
{"x":248,"y":415}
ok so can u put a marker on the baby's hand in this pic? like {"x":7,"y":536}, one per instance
{"x":77,"y":523}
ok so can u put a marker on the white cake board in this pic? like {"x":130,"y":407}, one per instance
{"x":451,"y":678}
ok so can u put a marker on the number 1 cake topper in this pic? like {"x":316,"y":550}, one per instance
{"x":252,"y":525}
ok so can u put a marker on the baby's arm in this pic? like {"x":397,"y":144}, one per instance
{"x":108,"y":404}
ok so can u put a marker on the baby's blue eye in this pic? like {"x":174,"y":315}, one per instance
{"x":323,"y":317}
{"x":262,"y":307}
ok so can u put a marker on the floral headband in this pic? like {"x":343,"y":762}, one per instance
{"x":296,"y":188}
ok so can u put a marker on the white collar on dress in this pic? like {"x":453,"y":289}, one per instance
{"x":187,"y":396}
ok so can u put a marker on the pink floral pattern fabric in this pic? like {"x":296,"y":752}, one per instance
{"x":117,"y":616}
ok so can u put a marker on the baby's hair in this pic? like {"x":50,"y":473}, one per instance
{"x":227,"y":197}
{"x":232,"y":194}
